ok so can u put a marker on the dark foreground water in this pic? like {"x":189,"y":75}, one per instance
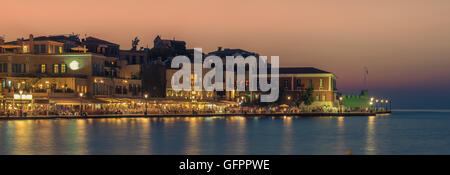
{"x":405,"y":132}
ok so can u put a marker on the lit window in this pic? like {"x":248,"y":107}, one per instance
{"x":25,"y":49}
{"x":55,"y":68}
{"x":60,"y":49}
{"x":324,"y":97}
{"x":43,"y":68}
{"x":63,"y":68}
{"x":321,"y":82}
{"x":317,"y":97}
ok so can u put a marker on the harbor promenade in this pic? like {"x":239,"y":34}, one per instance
{"x":275,"y":114}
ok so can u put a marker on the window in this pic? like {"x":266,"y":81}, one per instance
{"x":55,"y":68}
{"x":299,"y":83}
{"x":63,"y":68}
{"x":5,"y":67}
{"x":25,"y":49}
{"x":310,"y":85}
{"x":324,"y":97}
{"x":24,"y":68}
{"x":317,"y":97}
{"x":50,"y":49}
{"x":17,"y":68}
{"x":43,"y":49}
{"x":36,"y":49}
{"x":286,"y":84}
{"x":321,"y":83}
{"x":43,"y":68}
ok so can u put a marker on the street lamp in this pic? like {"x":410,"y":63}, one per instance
{"x":340,"y":104}
{"x":376,"y":104}
{"x":21,"y":106}
{"x":146,"y":105}
{"x":386,"y":101}
{"x":81,"y":103}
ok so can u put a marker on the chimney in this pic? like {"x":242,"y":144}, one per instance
{"x":219,"y":48}
{"x":31,"y":43}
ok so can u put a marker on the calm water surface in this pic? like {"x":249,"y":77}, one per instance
{"x":404,"y":132}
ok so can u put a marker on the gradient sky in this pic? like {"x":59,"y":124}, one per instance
{"x":404,"y":43}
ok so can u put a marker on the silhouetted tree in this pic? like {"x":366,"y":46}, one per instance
{"x":307,"y":96}
{"x":135,"y":43}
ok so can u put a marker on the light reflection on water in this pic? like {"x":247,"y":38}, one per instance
{"x":401,"y":133}
{"x":370,"y":142}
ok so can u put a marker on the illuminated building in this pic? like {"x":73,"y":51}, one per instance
{"x":51,"y":79}
{"x":294,"y":81}
{"x":187,"y":95}
{"x":246,"y":96}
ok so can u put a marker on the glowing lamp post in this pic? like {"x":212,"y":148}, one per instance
{"x":340,"y":104}
{"x":81,"y":103}
{"x":386,"y":101}
{"x":21,"y":107}
{"x":146,"y":105}
{"x":376,"y":105}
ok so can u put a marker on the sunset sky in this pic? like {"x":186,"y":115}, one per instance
{"x":404,"y":43}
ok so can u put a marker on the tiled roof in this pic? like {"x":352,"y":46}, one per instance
{"x":98,"y":41}
{"x":301,"y":70}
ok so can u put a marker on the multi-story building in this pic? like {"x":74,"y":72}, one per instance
{"x":295,"y":80}
{"x":187,"y":95}
{"x":38,"y":75}
{"x":245,"y":96}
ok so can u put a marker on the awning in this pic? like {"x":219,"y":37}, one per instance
{"x":284,"y":106}
{"x":10,"y":46}
{"x":79,"y":48}
{"x":76,"y":101}
{"x":122,"y":100}
{"x":41,"y":101}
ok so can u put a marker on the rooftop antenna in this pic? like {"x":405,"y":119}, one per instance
{"x":366,"y":76}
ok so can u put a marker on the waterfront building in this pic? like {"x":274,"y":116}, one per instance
{"x":294,"y":81}
{"x":172,"y":47}
{"x":192,"y":95}
{"x":356,"y":102}
{"x":102,"y":47}
{"x":238,"y":96}
{"x":38,"y":75}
